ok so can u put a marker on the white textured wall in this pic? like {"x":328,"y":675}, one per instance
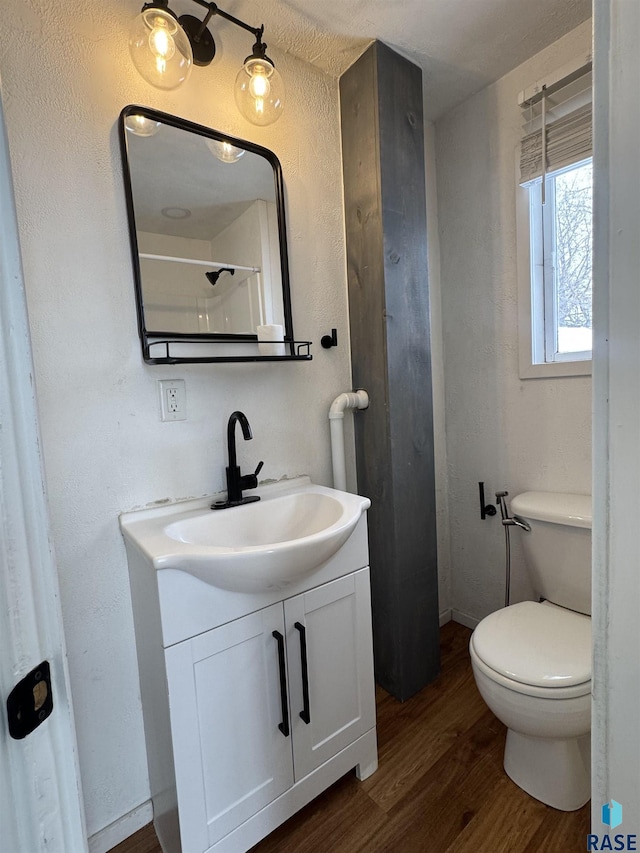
{"x":513,"y":434}
{"x":66,"y":76}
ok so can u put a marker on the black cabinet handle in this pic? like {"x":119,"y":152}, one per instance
{"x":305,"y":714}
{"x":284,"y":725}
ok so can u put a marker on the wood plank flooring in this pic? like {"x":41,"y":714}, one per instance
{"x":440,"y":786}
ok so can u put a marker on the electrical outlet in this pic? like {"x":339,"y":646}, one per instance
{"x":173,"y":399}
{"x":173,"y":406}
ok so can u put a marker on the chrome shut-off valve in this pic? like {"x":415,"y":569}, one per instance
{"x":510,"y":520}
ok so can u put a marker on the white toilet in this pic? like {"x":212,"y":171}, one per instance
{"x":532,"y":661}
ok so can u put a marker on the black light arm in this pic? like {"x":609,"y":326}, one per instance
{"x":214,"y":9}
{"x":202,"y":42}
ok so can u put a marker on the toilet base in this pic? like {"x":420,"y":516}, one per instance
{"x":556,"y":771}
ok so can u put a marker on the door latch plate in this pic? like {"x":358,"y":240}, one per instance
{"x":30,"y":702}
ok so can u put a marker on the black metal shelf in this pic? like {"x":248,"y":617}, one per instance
{"x":298,"y":351}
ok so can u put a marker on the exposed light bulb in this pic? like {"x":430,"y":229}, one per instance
{"x":161,"y":43}
{"x":160,"y":49}
{"x":259,"y":85}
{"x":259,"y":91}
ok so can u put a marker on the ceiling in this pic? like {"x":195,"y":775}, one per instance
{"x":461,"y":45}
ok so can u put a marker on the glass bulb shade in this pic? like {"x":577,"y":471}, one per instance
{"x":225,"y":151}
{"x":160,"y":49}
{"x":141,"y":126}
{"x":259,"y":92}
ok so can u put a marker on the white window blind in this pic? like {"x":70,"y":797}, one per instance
{"x":557,"y":129}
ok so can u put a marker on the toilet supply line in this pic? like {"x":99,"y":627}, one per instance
{"x":507,"y":522}
{"x":347,"y":400}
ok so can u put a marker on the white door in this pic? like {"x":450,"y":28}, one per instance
{"x":230,"y":724}
{"x":333,"y":702}
{"x":40,"y":801}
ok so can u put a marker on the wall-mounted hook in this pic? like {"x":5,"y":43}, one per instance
{"x":485,"y":509}
{"x":331,"y":340}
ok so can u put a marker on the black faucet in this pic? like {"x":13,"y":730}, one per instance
{"x":236,"y":482}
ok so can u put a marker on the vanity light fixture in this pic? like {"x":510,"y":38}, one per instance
{"x":164,"y":47}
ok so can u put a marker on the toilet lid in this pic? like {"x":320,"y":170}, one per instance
{"x":537,"y":644}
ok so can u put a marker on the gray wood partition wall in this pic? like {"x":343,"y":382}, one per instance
{"x":386,"y":232}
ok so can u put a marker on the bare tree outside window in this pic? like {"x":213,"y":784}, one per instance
{"x":573,"y":242}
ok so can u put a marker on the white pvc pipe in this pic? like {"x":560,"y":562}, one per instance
{"x":337,"y":455}
{"x":347,"y":400}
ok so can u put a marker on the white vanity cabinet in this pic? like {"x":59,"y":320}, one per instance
{"x":259,"y":703}
{"x":254,"y":702}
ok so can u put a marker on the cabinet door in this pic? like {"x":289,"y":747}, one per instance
{"x":330,"y":626}
{"x":232,"y":753}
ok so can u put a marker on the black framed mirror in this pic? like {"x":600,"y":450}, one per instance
{"x":208,"y":241}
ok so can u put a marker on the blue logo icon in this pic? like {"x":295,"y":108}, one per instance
{"x":612,"y":814}
{"x":612,"y":817}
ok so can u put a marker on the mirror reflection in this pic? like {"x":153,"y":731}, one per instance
{"x":208,"y":219}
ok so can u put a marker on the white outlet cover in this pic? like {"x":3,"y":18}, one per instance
{"x":173,"y":399}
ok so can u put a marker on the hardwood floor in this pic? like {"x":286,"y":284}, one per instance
{"x":440,"y":786}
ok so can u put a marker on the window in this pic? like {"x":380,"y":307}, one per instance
{"x":560,"y":259}
{"x":555,"y":212}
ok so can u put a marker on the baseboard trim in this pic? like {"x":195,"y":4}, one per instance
{"x":464,"y":619}
{"x":123,"y":827}
{"x":445,"y":617}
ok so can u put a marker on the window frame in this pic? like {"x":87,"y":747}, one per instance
{"x":535,"y":280}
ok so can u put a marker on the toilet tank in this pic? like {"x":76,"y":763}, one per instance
{"x":558,"y":548}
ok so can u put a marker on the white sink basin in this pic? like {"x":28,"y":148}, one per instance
{"x":257,"y":546}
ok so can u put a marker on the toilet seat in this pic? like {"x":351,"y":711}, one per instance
{"x":536,"y":649}
{"x":553,"y":693}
